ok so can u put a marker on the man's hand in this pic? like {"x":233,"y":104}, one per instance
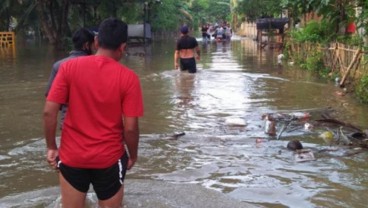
{"x":131,"y":137}
{"x":131,"y":162}
{"x":176,"y":59}
{"x":51,"y":157}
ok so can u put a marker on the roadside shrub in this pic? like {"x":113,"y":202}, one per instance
{"x":313,"y":62}
{"x":352,"y":40}
{"x":325,"y":72}
{"x":362,"y":89}
{"x":314,"y":32}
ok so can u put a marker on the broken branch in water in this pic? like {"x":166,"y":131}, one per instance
{"x":307,"y":110}
{"x":341,"y":123}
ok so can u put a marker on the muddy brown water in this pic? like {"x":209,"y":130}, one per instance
{"x":220,"y":110}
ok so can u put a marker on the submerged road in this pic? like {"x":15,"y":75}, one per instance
{"x":218,"y":162}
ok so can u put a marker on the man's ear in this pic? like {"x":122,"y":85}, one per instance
{"x":122,"y":47}
{"x":86,"y":46}
{"x":96,"y":42}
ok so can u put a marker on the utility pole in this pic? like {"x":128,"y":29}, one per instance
{"x":145,"y":7}
{"x":146,"y":15}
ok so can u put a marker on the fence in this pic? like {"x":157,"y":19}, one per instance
{"x":7,"y":39}
{"x":265,"y":37}
{"x":7,"y":45}
{"x":342,"y":59}
{"x":248,"y":29}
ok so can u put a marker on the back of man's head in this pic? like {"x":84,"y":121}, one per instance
{"x":112,"y":33}
{"x":184,"y":29}
{"x":82,"y":36}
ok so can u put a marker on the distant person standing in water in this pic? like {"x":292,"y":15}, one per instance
{"x":186,"y":51}
{"x":105,"y":101}
{"x":205,"y":33}
{"x":83,"y":45}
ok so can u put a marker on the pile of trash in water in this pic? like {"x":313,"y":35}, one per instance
{"x":331,"y":130}
{"x":289,"y":125}
{"x":319,"y":122}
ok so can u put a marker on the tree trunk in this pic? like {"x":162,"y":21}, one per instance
{"x":45,"y":27}
{"x":54,"y":20}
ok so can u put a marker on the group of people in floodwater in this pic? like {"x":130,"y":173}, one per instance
{"x":101,"y":101}
{"x":187,"y":50}
{"x":219,"y":32}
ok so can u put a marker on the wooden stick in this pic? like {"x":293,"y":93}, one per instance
{"x":331,"y":120}
{"x":347,"y":49}
{"x":307,"y":110}
{"x":356,"y":55}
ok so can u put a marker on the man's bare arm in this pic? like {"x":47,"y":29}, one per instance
{"x":131,"y":137}
{"x":176,"y":59}
{"x":198,"y":51}
{"x":50,"y":114}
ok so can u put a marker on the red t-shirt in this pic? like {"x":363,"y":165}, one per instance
{"x":98,"y":91}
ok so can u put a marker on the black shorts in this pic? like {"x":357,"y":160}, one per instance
{"x":188,"y":64}
{"x":106,"y":182}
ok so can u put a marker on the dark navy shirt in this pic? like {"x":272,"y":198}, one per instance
{"x":56,"y":66}
{"x":54,"y":71}
{"x":186,"y":42}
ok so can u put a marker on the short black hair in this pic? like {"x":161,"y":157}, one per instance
{"x":82,"y":36}
{"x":184,"y":29}
{"x":112,"y":33}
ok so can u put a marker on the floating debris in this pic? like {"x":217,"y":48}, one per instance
{"x":270,"y":125}
{"x":343,"y":139}
{"x":328,"y":137}
{"x":287,"y":116}
{"x":235,"y":122}
{"x":173,"y":136}
{"x":280,"y":57}
{"x":294,"y":145}
{"x":261,"y":140}
{"x":304,"y":155}
{"x":308,"y":126}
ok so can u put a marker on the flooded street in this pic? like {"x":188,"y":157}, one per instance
{"x":220,"y":111}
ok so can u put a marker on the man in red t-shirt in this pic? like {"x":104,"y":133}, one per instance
{"x":105,"y":101}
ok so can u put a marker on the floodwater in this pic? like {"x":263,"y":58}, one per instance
{"x":220,"y":111}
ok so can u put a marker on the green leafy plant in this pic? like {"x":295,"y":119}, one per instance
{"x":314,"y":32}
{"x":362,"y":89}
{"x":353,"y":40}
{"x":314,"y":61}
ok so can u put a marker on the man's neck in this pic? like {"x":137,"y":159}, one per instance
{"x":108,"y":53}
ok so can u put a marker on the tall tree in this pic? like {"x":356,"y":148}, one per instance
{"x":54,"y":20}
{"x":254,"y":9}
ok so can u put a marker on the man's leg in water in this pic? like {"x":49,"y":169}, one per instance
{"x":115,"y":201}
{"x":70,"y":197}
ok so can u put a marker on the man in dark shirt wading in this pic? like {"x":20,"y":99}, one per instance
{"x":83,"y":44}
{"x":186,"y":49}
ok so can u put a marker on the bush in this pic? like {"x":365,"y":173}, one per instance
{"x":352,"y":40}
{"x":362,"y":89}
{"x":313,"y":62}
{"x":315,"y":32}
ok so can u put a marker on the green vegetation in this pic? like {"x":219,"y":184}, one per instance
{"x":254,"y":9}
{"x":313,"y":62}
{"x":333,"y":17}
{"x":314,"y":32}
{"x":362,"y":89}
{"x":55,"y":20}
